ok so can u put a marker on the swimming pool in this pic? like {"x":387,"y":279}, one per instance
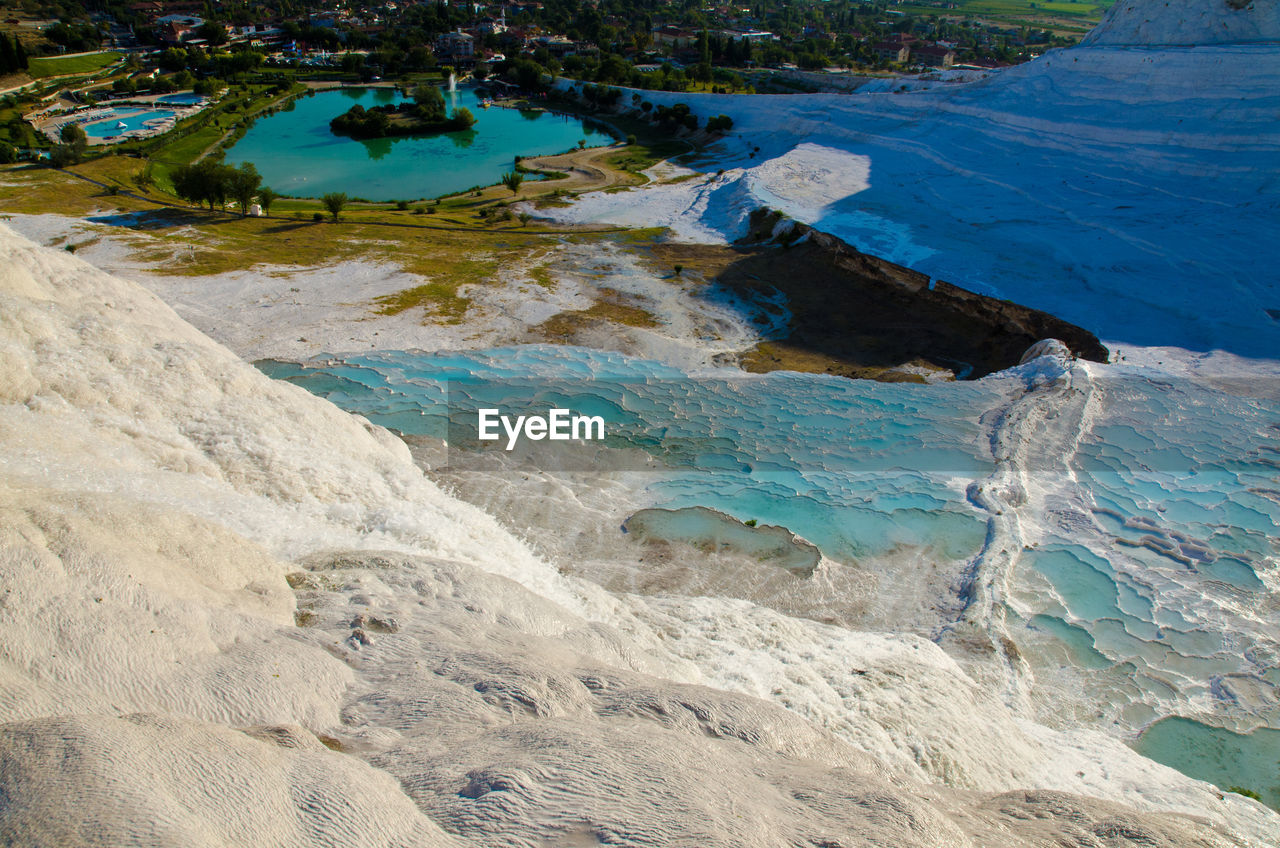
{"x":186,"y":98}
{"x":132,"y":117}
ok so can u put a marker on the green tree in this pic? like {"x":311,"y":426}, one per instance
{"x":206,"y":181}
{"x":208,"y":87}
{"x":526,"y":74}
{"x":8,"y":56}
{"x":213,"y":32}
{"x":512,"y":180}
{"x":334,"y":201}
{"x":429,"y":103}
{"x":8,"y":153}
{"x":463,"y":119}
{"x":62,"y":155}
{"x":265,"y":198}
{"x":74,"y":144}
{"x":242,"y":185}
{"x":173,"y":59}
{"x":720,"y":123}
{"x":74,"y":136}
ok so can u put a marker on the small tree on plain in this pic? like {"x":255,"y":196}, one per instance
{"x":334,"y":201}
{"x":74,"y":144}
{"x":266,"y":197}
{"x":243,"y":184}
{"x":512,"y":180}
{"x":61,"y":156}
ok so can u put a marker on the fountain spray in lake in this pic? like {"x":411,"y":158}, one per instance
{"x":453,"y":83}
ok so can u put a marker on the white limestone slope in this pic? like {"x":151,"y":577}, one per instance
{"x":160,"y":683}
{"x":1188,"y":22}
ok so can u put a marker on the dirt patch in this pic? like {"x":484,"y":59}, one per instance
{"x":584,"y":170}
{"x":611,"y":307}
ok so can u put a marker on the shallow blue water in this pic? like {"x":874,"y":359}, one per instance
{"x":1249,"y":761}
{"x":857,"y":468}
{"x":831,"y":458}
{"x":1153,"y":586}
{"x":297,"y":154}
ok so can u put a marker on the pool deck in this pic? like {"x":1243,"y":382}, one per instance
{"x":52,"y":121}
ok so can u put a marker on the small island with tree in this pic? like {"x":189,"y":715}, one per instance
{"x":425,"y":113}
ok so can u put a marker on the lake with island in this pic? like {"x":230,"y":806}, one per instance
{"x":297,"y":153}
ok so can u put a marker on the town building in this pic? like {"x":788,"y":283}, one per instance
{"x":934,"y":55}
{"x":456,"y":46}
{"x":176,"y":29}
{"x":674,"y":37}
{"x":888,"y":51}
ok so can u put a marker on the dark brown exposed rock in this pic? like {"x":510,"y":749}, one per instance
{"x":862,"y":316}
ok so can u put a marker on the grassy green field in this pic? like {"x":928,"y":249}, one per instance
{"x":1080,"y":14}
{"x":449,"y":248}
{"x":15,"y":131}
{"x":53,"y":66}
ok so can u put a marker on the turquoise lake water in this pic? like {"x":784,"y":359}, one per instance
{"x":297,"y":154}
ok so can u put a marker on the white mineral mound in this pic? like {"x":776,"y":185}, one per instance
{"x":1188,"y":22}
{"x":234,"y":615}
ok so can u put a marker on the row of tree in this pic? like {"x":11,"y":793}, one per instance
{"x":13,"y":56}
{"x":74,"y":38}
{"x":676,"y":115}
{"x":212,"y":182}
{"x":194,"y":60}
